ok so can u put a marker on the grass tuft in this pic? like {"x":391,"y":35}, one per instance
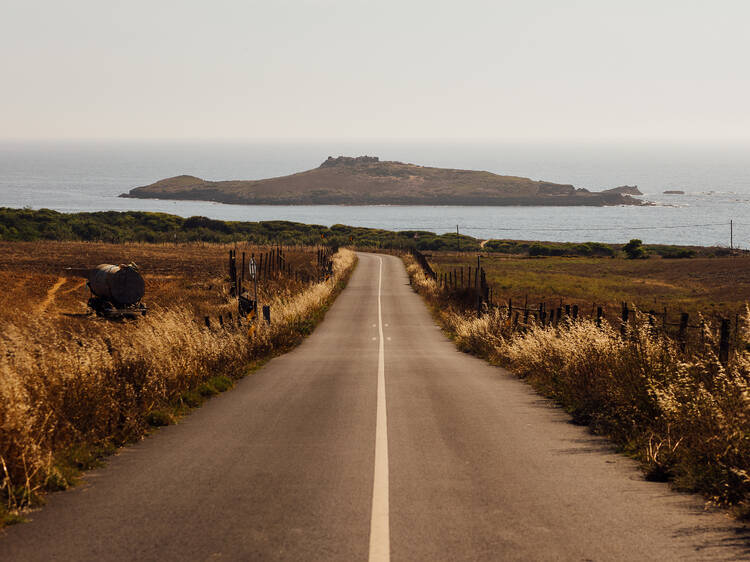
{"x":10,"y":517}
{"x":159,"y":418}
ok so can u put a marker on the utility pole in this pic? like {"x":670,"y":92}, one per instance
{"x":458,"y":240}
{"x":731,"y":234}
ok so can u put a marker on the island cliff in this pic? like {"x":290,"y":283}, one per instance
{"x":365,"y":180}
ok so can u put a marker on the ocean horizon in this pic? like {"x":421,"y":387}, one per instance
{"x":83,"y":176}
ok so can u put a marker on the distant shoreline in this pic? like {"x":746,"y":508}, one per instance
{"x":530,"y":202}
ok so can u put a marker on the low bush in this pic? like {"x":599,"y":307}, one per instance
{"x":678,"y":254}
{"x":634,"y":250}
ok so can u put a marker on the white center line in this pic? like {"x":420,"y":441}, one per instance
{"x":380,"y":539}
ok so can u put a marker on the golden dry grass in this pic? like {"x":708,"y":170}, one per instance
{"x":67,"y":384}
{"x":685,"y":416}
{"x":193,"y":275}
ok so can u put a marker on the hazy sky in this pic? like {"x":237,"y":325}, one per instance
{"x":526,"y":69}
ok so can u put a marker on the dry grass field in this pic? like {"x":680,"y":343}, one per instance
{"x":717,"y":285}
{"x":35,"y":283}
{"x":74,"y":386}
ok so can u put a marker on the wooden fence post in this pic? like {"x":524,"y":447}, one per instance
{"x":682,"y":333}
{"x":242,"y":273}
{"x":232,"y":274}
{"x":736,"y":330}
{"x":485,"y":287}
{"x":724,"y":341}
{"x":478,"y":289}
{"x":625,"y":314}
{"x":599,"y":314}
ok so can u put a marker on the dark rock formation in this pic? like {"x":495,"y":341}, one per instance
{"x":624,"y":190}
{"x":348,"y":161}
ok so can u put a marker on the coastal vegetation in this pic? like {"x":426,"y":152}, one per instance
{"x":683,"y":412}
{"x":73,"y":387}
{"x":137,"y":226}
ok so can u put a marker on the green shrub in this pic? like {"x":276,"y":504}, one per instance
{"x":634,"y":250}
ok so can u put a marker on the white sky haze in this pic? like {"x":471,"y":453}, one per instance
{"x":533,"y":69}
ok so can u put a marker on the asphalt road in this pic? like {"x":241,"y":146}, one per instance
{"x":373,"y":439}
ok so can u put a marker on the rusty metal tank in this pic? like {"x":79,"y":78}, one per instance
{"x":120,"y":284}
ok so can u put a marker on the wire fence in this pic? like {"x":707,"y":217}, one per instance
{"x":246,"y":272}
{"x":467,"y":288}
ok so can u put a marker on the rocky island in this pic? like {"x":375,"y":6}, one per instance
{"x":365,"y":180}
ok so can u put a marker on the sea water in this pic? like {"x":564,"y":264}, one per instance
{"x":88,"y":176}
